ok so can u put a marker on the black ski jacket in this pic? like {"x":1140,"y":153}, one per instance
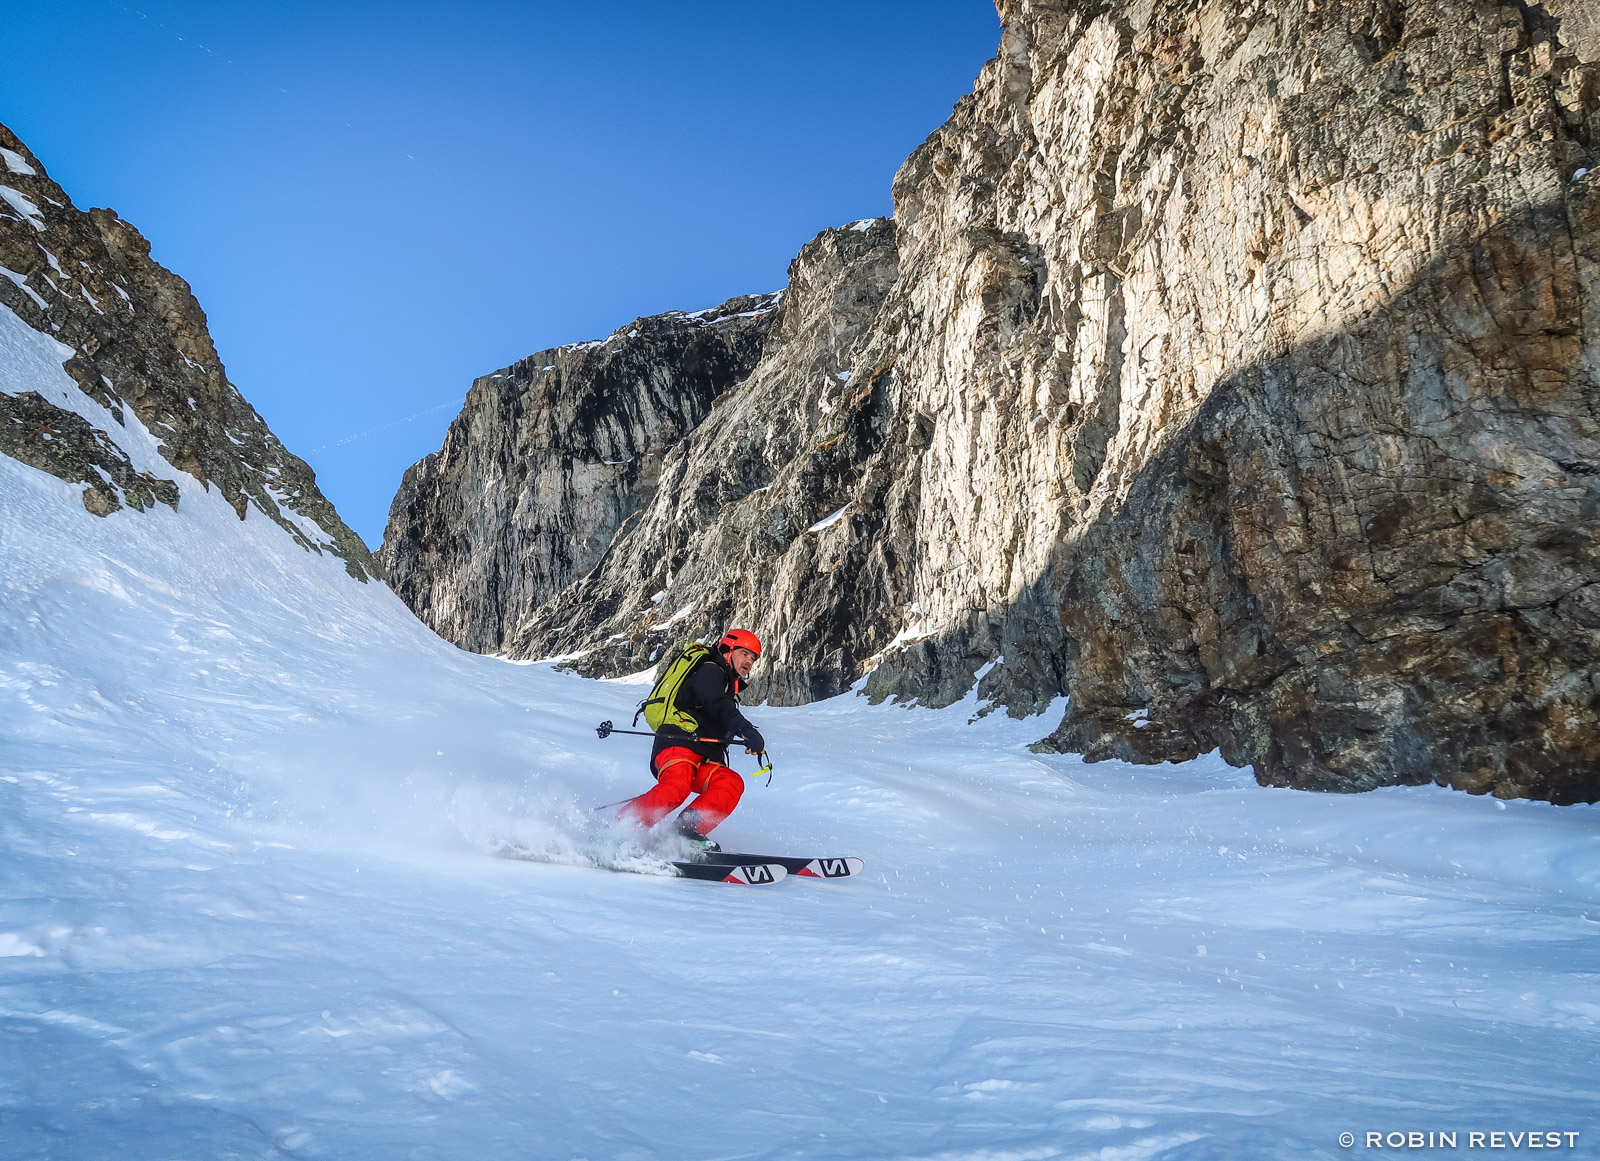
{"x":710,"y":695}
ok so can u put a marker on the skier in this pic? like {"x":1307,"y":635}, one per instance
{"x":695,"y":699}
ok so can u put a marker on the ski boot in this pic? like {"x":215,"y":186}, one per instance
{"x":688,"y":830}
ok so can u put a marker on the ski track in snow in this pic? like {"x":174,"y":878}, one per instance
{"x":248,"y":817}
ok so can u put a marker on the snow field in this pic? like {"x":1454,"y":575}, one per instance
{"x":249,"y":908}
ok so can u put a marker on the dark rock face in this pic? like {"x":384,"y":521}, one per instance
{"x":549,"y":458}
{"x":726,"y":530}
{"x":141,"y":348}
{"x":1235,"y":370}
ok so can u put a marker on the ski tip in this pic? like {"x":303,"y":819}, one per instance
{"x":756,"y":874}
{"x":831,"y":868}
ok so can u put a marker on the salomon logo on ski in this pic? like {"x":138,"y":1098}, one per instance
{"x":805,"y":868}
{"x":745,"y":874}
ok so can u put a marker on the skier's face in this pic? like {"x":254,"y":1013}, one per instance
{"x":743,"y":661}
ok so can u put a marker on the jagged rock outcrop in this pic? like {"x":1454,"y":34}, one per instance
{"x":139,"y":348}
{"x":725,"y":537}
{"x":1234,"y":368}
{"x":550,"y":458}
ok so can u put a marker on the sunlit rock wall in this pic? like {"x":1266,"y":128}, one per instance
{"x":1231,"y":367}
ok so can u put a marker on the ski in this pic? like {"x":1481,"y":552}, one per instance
{"x":800,"y":867}
{"x":755,"y":873}
{"x":747,"y":872}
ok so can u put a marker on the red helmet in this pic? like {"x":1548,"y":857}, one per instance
{"x":739,"y":639}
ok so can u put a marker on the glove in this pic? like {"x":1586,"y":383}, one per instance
{"x":753,"y":741}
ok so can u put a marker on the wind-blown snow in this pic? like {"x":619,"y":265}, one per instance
{"x":20,"y":202}
{"x":21,"y":283}
{"x":248,"y":816}
{"x":829,"y":520}
{"x":771,"y":301}
{"x":680,"y":615}
{"x":16,"y":163}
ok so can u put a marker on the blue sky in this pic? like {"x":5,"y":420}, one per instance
{"x":377,"y":202}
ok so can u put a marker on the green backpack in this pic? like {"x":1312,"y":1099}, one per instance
{"x":660,"y":708}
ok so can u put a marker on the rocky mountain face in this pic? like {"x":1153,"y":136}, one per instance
{"x":137,"y":345}
{"x":549,"y":459}
{"x":726,"y":530}
{"x":1233,"y":368}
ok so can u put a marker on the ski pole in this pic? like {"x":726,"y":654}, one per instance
{"x":606,"y":729}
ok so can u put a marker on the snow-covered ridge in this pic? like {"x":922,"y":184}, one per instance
{"x":119,"y":388}
{"x":710,"y":315}
{"x":757,"y":305}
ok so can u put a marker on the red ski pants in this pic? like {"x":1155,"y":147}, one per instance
{"x":679,"y":773}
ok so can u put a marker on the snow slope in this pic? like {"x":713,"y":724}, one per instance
{"x":249,"y":907}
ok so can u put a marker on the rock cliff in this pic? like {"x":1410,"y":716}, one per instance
{"x":1233,"y":368}
{"x":549,"y":459}
{"x":135,"y":342}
